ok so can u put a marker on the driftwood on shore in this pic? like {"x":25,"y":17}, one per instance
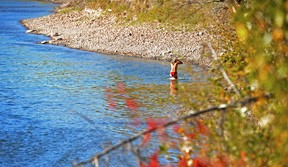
{"x":85,"y":31}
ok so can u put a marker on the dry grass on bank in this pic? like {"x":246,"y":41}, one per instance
{"x":189,"y":14}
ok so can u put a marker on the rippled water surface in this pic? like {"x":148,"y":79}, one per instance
{"x":59,"y":104}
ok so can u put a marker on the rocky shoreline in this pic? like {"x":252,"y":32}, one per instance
{"x":89,"y":30}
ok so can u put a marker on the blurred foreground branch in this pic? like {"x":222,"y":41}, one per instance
{"x":95,"y":159}
{"x":225,"y":75}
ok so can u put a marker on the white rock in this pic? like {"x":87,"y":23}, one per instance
{"x":58,"y":39}
{"x":30,"y":31}
{"x":44,"y":42}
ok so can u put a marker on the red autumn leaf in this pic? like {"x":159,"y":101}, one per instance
{"x":182,"y":162}
{"x":201,"y":162}
{"x":157,"y":123}
{"x":202,"y":128}
{"x":176,"y":128}
{"x":191,"y":136}
{"x":154,"y":160}
{"x":146,"y":139}
{"x":242,"y":160}
{"x":131,"y":104}
{"x":243,"y":155}
{"x":222,"y":161}
{"x":152,"y":124}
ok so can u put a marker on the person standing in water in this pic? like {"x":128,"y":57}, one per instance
{"x":174,"y":65}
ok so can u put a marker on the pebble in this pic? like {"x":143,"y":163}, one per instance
{"x":44,"y":42}
{"x":30,"y":31}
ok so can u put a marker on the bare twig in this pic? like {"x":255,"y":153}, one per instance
{"x":222,"y":130}
{"x":129,"y":140}
{"x":225,"y":75}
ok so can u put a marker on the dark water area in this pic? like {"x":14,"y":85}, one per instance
{"x":58,"y":105}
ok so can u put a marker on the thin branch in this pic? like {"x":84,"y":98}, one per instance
{"x":225,"y":75}
{"x":227,"y":78}
{"x":129,"y":140}
{"x":222,"y":132}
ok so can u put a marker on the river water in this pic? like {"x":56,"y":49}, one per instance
{"x":59,"y":105}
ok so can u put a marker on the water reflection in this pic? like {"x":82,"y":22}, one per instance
{"x":173,"y":87}
{"x":119,"y":99}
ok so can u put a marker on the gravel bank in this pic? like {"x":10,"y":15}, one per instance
{"x":87,"y":30}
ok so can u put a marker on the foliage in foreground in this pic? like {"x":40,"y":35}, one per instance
{"x":262,"y":26}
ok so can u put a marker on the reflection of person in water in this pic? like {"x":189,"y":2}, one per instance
{"x":174,"y":65}
{"x":173,"y":87}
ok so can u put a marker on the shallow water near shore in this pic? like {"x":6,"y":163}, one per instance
{"x":58,"y":105}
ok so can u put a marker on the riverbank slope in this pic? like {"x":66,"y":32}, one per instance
{"x":91,"y":30}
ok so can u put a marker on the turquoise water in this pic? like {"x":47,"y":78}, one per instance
{"x":58,"y":105}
